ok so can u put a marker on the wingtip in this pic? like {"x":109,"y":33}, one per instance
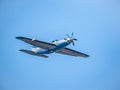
{"x":18,"y":37}
{"x":86,"y":56}
{"x":21,"y":50}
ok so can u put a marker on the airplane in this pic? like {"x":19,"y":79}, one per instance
{"x":41,"y":48}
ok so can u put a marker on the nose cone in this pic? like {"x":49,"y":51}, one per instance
{"x":69,"y":40}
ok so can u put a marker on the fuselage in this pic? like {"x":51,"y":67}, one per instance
{"x":59,"y":45}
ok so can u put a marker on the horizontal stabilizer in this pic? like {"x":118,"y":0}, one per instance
{"x":32,"y":53}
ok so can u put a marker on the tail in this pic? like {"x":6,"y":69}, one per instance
{"x":32,"y":53}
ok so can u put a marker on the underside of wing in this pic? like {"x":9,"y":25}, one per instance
{"x":71,"y":52}
{"x":32,"y":53}
{"x":41,"y":44}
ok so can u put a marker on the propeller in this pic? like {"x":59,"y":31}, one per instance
{"x":71,"y":37}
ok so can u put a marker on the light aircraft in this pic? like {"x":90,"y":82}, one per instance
{"x":40,"y":48}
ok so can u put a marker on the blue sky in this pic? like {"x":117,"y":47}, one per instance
{"x":96,"y":26}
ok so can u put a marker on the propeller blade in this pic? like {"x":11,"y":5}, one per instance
{"x":68,"y":35}
{"x":72,"y":35}
{"x":73,"y":43}
{"x":75,"y":39}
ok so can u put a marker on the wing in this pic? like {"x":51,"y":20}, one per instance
{"x":71,"y":52}
{"x":41,"y":44}
{"x":32,"y":53}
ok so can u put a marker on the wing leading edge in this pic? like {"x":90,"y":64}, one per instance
{"x":32,"y":53}
{"x":41,"y":44}
{"x":71,"y":52}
